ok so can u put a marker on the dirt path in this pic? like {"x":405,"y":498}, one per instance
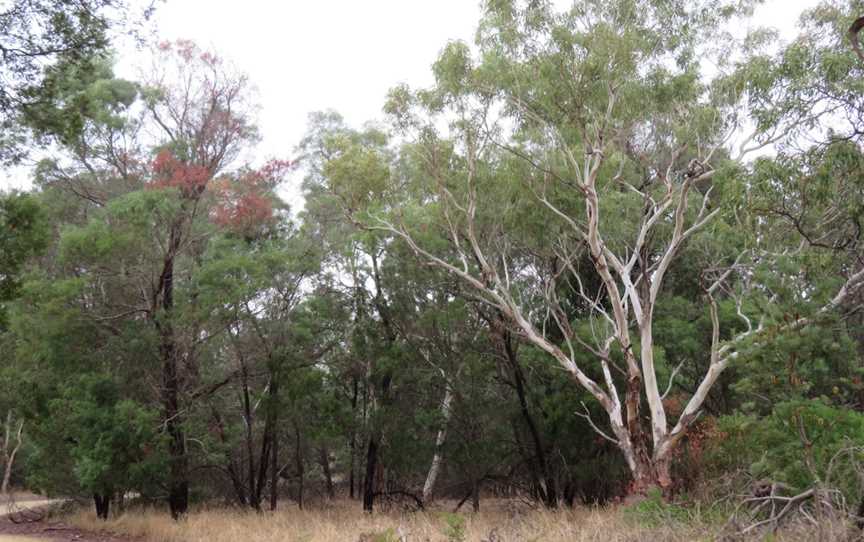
{"x":50,"y":531}
{"x":47,"y":530}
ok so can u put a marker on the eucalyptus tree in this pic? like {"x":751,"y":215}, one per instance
{"x":600,"y":125}
{"x":152,"y":162}
{"x":409,"y":331}
{"x":257,"y":289}
{"x":38,"y":39}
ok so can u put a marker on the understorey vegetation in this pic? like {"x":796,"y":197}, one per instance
{"x":611,"y":256}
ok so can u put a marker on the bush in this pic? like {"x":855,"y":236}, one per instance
{"x":800,"y":443}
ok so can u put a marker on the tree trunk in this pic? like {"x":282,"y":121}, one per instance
{"x":103,"y":504}
{"x":440,"y":439}
{"x":648,"y":471}
{"x":369,"y":479}
{"x":544,"y":481}
{"x":324,"y":460}
{"x":372,"y":453}
{"x":475,"y":495}
{"x":651,"y":474}
{"x":178,"y":481}
{"x":353,"y":444}
{"x":274,"y":448}
{"x":9,"y":455}
{"x":298,"y":458}
{"x":251,"y":473}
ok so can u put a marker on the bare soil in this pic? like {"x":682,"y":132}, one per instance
{"x":47,"y":530}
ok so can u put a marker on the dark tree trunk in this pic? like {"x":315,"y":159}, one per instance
{"x":298,"y":458}
{"x":251,"y":473}
{"x":648,"y":472}
{"x":372,"y":453}
{"x":353,"y":444}
{"x":369,"y":479}
{"x":274,"y":447}
{"x":103,"y":503}
{"x":178,"y":481}
{"x":475,"y":495}
{"x":544,"y":482}
{"x":860,"y":521}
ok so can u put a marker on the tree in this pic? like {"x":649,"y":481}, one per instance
{"x":170,"y":161}
{"x":39,"y":37}
{"x":632,"y":128}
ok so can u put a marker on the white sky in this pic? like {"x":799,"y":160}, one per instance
{"x":313,"y":55}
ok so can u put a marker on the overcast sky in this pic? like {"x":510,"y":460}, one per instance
{"x":306,"y":56}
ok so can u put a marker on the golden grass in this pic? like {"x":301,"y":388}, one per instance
{"x":16,"y":538}
{"x":343,"y":521}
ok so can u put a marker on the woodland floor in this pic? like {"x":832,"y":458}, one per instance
{"x":343,"y":521}
{"x":46,"y":530}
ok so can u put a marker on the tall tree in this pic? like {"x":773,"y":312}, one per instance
{"x":602,"y":109}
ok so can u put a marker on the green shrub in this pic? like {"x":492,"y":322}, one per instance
{"x":654,"y":511}
{"x":798,"y":443}
{"x":455,"y":527}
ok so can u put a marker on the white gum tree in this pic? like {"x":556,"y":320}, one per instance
{"x":587,"y":136}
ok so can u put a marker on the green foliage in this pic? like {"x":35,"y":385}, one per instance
{"x":24,"y":231}
{"x":387,"y":535}
{"x":108,"y":443}
{"x":454,"y":528}
{"x":329,"y":335}
{"x":117,"y":446}
{"x":53,"y":51}
{"x":654,"y":511}
{"x":800,"y":443}
{"x":83,"y":93}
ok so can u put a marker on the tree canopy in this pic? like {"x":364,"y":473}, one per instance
{"x":608,"y":250}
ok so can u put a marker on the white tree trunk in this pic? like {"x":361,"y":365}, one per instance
{"x":9,"y":454}
{"x":440,"y":439}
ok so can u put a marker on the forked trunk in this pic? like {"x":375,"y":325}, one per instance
{"x":103,"y":503}
{"x":647,"y":470}
{"x":653,"y":475}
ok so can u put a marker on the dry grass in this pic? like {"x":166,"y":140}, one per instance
{"x":16,"y":538}
{"x":345,"y":522}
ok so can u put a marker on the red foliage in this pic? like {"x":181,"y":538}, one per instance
{"x":169,"y":172}
{"x":245,"y":203}
{"x":244,"y":212}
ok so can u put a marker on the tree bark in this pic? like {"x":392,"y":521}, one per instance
{"x":178,"y":480}
{"x":369,"y":479}
{"x":475,"y":495}
{"x":544,"y":480}
{"x":353,"y":444}
{"x":251,"y":473}
{"x":9,"y":455}
{"x":440,"y":439}
{"x":274,"y":448}
{"x":103,"y":504}
{"x":324,"y":461}
{"x":298,"y":458}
